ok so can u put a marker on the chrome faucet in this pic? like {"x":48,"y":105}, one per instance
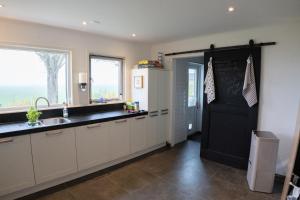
{"x":39,"y":98}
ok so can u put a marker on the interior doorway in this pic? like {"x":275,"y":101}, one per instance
{"x":188,"y":96}
{"x":194,"y":110}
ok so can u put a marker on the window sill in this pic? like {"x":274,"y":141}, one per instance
{"x":107,"y":103}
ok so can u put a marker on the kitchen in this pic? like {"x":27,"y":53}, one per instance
{"x":89,"y":65}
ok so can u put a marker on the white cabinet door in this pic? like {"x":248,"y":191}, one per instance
{"x":162,"y":127}
{"x":54,"y":154}
{"x":152,"y":129}
{"x":92,"y":145}
{"x":163,"y":89}
{"x":138,"y":132}
{"x":140,"y":94}
{"x":153,"y":89}
{"x":16,"y":169}
{"x":119,"y":139}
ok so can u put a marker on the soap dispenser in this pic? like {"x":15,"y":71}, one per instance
{"x":65,"y":111}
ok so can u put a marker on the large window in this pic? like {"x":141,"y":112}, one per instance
{"x":106,"y":75}
{"x":28,"y":73}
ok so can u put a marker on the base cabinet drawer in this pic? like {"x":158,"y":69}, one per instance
{"x":119,"y":139}
{"x":54,"y":154}
{"x":92,"y":145}
{"x":16,"y":169}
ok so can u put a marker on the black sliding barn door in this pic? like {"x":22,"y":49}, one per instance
{"x":228,"y":121}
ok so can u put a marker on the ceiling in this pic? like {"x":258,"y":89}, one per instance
{"x":153,"y":21}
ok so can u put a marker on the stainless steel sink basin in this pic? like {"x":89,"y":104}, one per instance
{"x":54,"y":121}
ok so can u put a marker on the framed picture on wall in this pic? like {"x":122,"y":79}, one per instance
{"x":138,"y":82}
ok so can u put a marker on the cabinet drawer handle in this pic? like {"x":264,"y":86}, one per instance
{"x":6,"y":140}
{"x":164,"y":110}
{"x":154,"y":112}
{"x":154,"y":115}
{"x":164,"y":113}
{"x":94,"y":126}
{"x":121,"y":121}
{"x":54,"y":133}
{"x":140,"y":118}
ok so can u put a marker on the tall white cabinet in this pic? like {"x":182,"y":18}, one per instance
{"x":153,"y":97}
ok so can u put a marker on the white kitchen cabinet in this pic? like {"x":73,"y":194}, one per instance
{"x":54,"y":154}
{"x":163,"y":89}
{"x":140,"y":94}
{"x":163,"y":105}
{"x":92,"y":145}
{"x":154,"y":94}
{"x":163,"y":126}
{"x":152,"y":129}
{"x":119,"y":139}
{"x":153,"y":89}
{"x":16,"y":169}
{"x":138,"y":133}
{"x":154,"y":97}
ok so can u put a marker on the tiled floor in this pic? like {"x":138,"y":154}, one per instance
{"x":178,"y":173}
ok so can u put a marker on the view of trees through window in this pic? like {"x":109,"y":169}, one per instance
{"x":28,"y":73}
{"x":106,"y":78}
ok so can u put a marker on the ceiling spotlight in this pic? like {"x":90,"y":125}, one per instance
{"x":133,"y":35}
{"x":84,"y":23}
{"x":1,"y":6}
{"x":231,"y":9}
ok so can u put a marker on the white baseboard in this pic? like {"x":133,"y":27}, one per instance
{"x":76,"y":175}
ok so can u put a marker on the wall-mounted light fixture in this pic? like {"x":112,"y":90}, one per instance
{"x":83,"y":80}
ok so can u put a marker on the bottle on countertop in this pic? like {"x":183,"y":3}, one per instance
{"x":136,"y":106}
{"x":65,"y":111}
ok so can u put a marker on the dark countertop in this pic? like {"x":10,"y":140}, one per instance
{"x":22,"y":128}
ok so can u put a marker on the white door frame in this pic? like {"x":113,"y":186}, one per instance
{"x":169,"y":64}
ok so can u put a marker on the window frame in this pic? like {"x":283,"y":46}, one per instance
{"x":121,"y":77}
{"x":68,"y":72}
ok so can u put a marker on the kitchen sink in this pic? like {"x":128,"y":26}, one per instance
{"x":54,"y":121}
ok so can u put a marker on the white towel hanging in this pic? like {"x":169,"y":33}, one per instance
{"x":249,"y":88}
{"x":209,"y":83}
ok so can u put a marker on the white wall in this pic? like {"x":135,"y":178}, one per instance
{"x":280,"y":76}
{"x":79,"y":43}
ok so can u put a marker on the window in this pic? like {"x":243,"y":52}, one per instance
{"x":27,"y":73}
{"x":106,"y":75}
{"x":192,"y":90}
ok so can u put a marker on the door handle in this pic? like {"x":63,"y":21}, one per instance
{"x":54,"y":133}
{"x":121,"y":121}
{"x":153,"y":113}
{"x":94,"y":126}
{"x":6,"y":140}
{"x":138,"y":118}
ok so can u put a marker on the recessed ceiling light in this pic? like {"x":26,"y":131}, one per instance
{"x":133,"y":35}
{"x":231,"y":9}
{"x":1,"y":6}
{"x":84,"y":23}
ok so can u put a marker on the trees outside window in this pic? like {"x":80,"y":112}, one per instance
{"x":28,"y":73}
